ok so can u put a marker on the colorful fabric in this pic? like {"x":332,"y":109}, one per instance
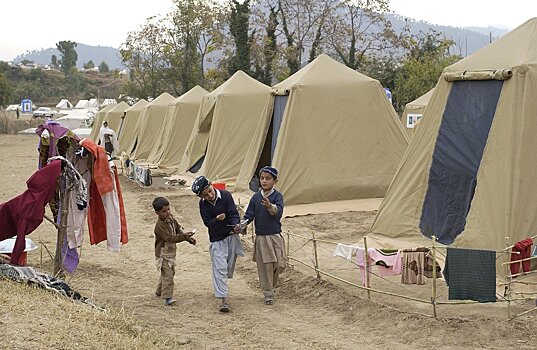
{"x":524,"y":251}
{"x":21,"y":215}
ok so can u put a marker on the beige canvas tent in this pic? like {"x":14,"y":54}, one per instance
{"x":149,"y":125}
{"x":414,"y":111}
{"x":98,"y":122}
{"x":64,"y":104}
{"x":469,"y":176}
{"x":113,"y":117}
{"x":224,"y":126}
{"x":178,"y":124}
{"x":129,"y":124}
{"x":332,"y":134}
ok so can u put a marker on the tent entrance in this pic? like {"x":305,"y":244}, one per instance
{"x":196,"y":167}
{"x":267,"y":154}
{"x":460,"y":143}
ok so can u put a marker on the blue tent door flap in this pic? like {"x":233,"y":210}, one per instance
{"x":460,"y":143}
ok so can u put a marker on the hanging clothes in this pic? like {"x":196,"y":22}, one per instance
{"x":51,"y":132}
{"x":524,"y":251}
{"x":78,"y":201}
{"x":471,"y":274}
{"x":106,"y":213}
{"x":21,"y":215}
{"x":413,"y":266}
{"x":345,"y":251}
{"x":388,"y":264}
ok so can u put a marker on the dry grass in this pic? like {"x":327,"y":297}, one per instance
{"x":38,"y":319}
{"x":9,"y":124}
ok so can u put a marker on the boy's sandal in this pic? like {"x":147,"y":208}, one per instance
{"x":269,"y":301}
{"x":224,"y":307}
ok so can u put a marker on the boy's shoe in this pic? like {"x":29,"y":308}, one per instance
{"x":224,"y":307}
{"x":170,"y":301}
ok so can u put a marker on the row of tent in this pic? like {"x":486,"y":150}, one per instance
{"x":330,"y":131}
{"x":85,"y":104}
{"x":468,"y":177}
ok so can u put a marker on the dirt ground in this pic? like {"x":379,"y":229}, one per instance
{"x":308,"y":313}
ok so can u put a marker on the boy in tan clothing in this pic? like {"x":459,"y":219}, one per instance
{"x":167,"y":234}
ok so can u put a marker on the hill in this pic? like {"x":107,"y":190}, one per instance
{"x":467,"y":40}
{"x":85,"y":53}
{"x":48,"y":87}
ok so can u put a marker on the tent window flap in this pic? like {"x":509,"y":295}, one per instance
{"x":461,"y":140}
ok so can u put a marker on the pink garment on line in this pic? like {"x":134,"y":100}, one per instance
{"x":393,"y":261}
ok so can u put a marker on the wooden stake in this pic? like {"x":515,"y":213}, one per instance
{"x":433,"y":297}
{"x":315,"y":254}
{"x":509,"y":279}
{"x":360,"y":286}
{"x":64,"y":200}
{"x":288,"y":250}
{"x":368,"y":284}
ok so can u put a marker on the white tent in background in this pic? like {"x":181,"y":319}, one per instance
{"x":76,"y":118}
{"x":93,"y":103}
{"x":109,"y":101}
{"x":64,"y":103}
{"x":82,"y":104}
{"x":82,"y":132}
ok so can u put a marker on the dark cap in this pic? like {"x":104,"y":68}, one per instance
{"x":270,"y":170}
{"x":200,"y":184}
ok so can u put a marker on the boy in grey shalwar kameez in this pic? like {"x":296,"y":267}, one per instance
{"x":220,"y":215}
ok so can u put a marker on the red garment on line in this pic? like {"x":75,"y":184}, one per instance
{"x":101,"y":183}
{"x":123,"y":217}
{"x":524,"y":247}
{"x":21,"y":215}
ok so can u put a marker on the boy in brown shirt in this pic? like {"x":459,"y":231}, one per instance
{"x":167,"y":234}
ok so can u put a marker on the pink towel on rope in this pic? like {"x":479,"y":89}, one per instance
{"x":393,"y":261}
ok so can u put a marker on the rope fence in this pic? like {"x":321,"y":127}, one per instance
{"x":299,"y":242}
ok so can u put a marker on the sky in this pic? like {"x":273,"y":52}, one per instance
{"x":38,"y":24}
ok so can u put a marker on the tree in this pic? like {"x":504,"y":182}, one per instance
{"x":5,"y":90}
{"x":303,"y":23}
{"x":263,"y":44}
{"x":89,"y":65}
{"x":103,"y":67}
{"x":54,"y":61}
{"x":238,"y":26}
{"x":211,"y":32}
{"x":428,"y":55}
{"x":360,"y":32}
{"x":180,"y":44}
{"x":69,"y":55}
{"x":142,"y":53}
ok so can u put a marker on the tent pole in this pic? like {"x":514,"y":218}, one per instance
{"x":368,"y":284}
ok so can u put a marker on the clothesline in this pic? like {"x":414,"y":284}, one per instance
{"x":426,"y":247}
